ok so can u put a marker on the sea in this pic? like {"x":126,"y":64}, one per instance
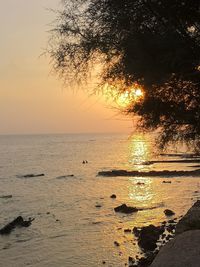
{"x":75,"y":222}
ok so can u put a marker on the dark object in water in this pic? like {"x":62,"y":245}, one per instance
{"x":148,"y":236}
{"x":31,"y":175}
{"x":116,"y":243}
{"x":115,"y":173}
{"x":125,"y":209}
{"x":113,"y":196}
{"x":167,"y":182}
{"x":18,"y":222}
{"x":98,"y":206}
{"x":168,"y":212}
{"x":6,"y":196}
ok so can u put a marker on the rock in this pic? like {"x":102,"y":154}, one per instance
{"x":103,"y":262}
{"x":191,"y":221}
{"x":148,"y":236}
{"x":113,"y":196}
{"x":140,"y":183}
{"x":125,"y":209}
{"x":182,"y":251}
{"x":167,"y":173}
{"x":6,"y":196}
{"x":65,"y":176}
{"x":167,"y":182}
{"x":168,"y":212}
{"x":136,"y":231}
{"x":30,"y":175}
{"x":116,"y":244}
{"x":147,"y":259}
{"x":127,"y":230}
{"x":18,"y":222}
{"x":98,"y":206}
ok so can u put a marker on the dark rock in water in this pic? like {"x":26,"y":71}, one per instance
{"x":18,"y":222}
{"x":148,"y":237}
{"x":6,"y":196}
{"x":140,"y":183}
{"x":136,"y":231}
{"x":98,"y":206}
{"x":127,"y":230}
{"x":30,"y":175}
{"x":65,"y":176}
{"x":103,"y":262}
{"x":113,"y":196}
{"x":168,"y":212}
{"x":167,"y":182}
{"x":125,"y":209}
{"x":167,"y":173}
{"x":147,"y":259}
{"x":116,"y":244}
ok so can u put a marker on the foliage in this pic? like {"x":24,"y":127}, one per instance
{"x":153,"y":43}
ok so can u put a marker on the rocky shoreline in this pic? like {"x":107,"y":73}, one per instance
{"x":174,"y":243}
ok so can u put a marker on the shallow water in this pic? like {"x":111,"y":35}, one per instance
{"x":68,"y":229}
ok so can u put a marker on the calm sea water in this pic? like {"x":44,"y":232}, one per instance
{"x":68,"y":229}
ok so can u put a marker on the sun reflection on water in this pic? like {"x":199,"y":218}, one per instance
{"x":139,"y":151}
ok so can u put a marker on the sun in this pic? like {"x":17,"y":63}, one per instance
{"x":130,"y":96}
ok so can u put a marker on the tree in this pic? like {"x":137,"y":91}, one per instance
{"x":151,"y":43}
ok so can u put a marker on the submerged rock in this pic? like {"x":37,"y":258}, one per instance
{"x":168,"y":212}
{"x":113,"y":196}
{"x":18,"y":222}
{"x":125,"y":209}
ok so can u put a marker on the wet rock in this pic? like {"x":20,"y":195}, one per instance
{"x":182,"y":251}
{"x":65,"y":176}
{"x":167,"y":182}
{"x":170,"y":228}
{"x":168,"y":212}
{"x":31,"y":175}
{"x":116,"y":244}
{"x":171,"y":221}
{"x":140,"y":183}
{"x":113,"y":196}
{"x":125,"y":209}
{"x":103,"y":262}
{"x":6,"y":196}
{"x":146,"y":260}
{"x":127,"y":230}
{"x":148,"y":237}
{"x":18,"y":222}
{"x":98,"y":205}
{"x":48,"y":212}
{"x":136,"y":231}
{"x":167,"y":173}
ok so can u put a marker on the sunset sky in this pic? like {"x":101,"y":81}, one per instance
{"x":32,"y":99}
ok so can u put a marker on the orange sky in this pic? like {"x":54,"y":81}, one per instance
{"x":31,"y":99}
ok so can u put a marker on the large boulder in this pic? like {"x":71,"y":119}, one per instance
{"x":182,"y":251}
{"x":191,"y":220}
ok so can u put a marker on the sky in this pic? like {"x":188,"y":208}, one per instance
{"x":32,"y":99}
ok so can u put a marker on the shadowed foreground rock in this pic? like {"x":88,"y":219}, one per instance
{"x":182,"y":251}
{"x":191,"y":220}
{"x":18,"y":222}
